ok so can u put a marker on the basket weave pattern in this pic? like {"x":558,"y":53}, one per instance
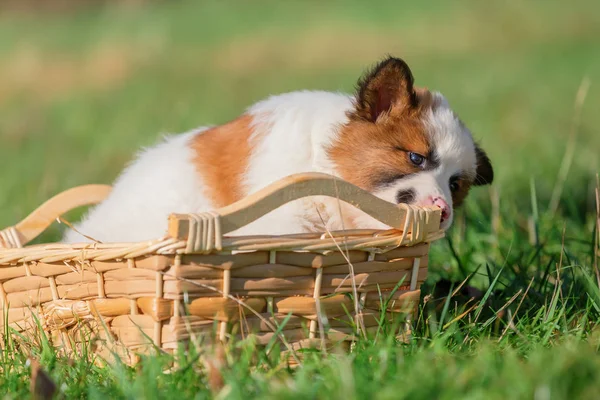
{"x":195,"y":280}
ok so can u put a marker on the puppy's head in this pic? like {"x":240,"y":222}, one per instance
{"x":406,"y":145}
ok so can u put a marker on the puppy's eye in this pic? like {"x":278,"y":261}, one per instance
{"x":416,"y":159}
{"x":454,"y":184}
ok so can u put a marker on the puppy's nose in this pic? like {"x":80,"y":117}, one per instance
{"x":446,"y":211}
{"x":441,"y":203}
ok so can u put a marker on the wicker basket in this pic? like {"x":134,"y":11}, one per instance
{"x":138,"y":296}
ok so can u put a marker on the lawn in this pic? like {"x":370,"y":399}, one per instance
{"x":81,"y":90}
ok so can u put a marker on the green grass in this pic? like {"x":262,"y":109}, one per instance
{"x":81,"y":91}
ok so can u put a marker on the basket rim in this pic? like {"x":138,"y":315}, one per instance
{"x":203,"y":233}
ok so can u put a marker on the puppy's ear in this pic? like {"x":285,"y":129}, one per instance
{"x":386,"y":88}
{"x":485,"y":172}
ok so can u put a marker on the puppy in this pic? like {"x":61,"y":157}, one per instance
{"x":401,"y":143}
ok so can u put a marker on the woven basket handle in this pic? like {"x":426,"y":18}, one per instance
{"x":293,"y":187}
{"x":40,"y":219}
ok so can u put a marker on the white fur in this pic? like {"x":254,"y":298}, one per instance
{"x":161,"y":181}
{"x":291,"y":132}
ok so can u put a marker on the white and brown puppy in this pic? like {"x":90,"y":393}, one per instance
{"x":401,"y":143}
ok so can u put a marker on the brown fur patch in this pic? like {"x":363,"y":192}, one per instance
{"x":366,"y":154}
{"x":222,"y":155}
{"x":386,"y":124}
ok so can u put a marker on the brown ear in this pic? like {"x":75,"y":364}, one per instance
{"x":389,"y":85}
{"x":485,"y":172}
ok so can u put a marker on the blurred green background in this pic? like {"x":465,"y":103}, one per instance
{"x":84,"y":84}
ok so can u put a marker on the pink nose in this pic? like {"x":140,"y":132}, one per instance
{"x":441,"y":203}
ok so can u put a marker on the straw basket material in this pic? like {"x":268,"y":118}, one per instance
{"x":156,"y":294}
